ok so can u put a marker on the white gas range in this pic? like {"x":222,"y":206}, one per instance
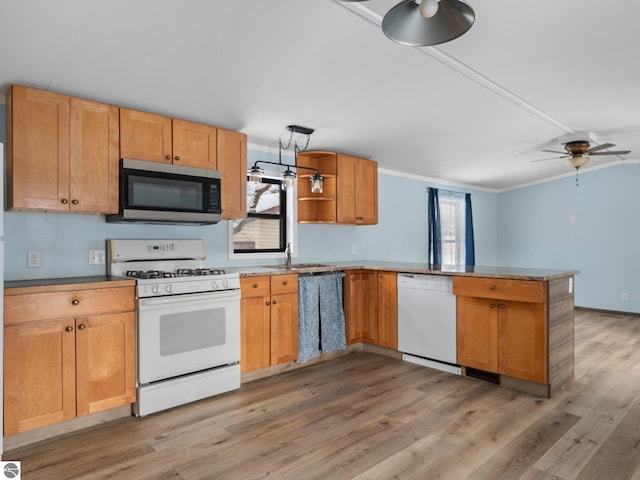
{"x":188,"y":321}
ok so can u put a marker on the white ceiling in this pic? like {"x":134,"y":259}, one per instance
{"x":473,"y":111}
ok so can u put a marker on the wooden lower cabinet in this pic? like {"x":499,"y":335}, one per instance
{"x":371,"y":307}
{"x":58,"y":369}
{"x":507,"y":337}
{"x":269,"y":320}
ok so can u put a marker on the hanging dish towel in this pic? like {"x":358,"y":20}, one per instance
{"x":332,"y":322}
{"x":308,"y":317}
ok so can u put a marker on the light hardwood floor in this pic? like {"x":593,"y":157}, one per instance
{"x":365,"y":416}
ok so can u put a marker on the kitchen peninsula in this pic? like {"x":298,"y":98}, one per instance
{"x":515,"y":326}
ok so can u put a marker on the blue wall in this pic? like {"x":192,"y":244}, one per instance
{"x":594,"y":228}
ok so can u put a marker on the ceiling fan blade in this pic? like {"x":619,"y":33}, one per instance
{"x":600,"y":147}
{"x":611,"y":152}
{"x":552,"y":158}
{"x":554,"y":151}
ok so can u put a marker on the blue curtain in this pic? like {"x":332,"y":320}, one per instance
{"x":435,"y":245}
{"x":435,"y":229}
{"x":469,"y":243}
{"x":321,"y":322}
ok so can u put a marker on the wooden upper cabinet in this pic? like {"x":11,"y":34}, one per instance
{"x":38,"y":153}
{"x":94,"y":157}
{"x":194,"y":144}
{"x":63,"y":153}
{"x":145,"y":136}
{"x":357,"y":190}
{"x":156,"y":138}
{"x":232,"y":164}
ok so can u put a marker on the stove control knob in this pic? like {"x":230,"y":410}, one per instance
{"x":225,"y":283}
{"x":214,"y":285}
{"x":154,"y":288}
{"x":168,"y":287}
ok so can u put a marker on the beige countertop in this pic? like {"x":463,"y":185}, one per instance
{"x":16,"y":287}
{"x":537,"y":274}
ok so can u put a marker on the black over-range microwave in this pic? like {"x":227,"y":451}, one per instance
{"x":159,"y":193}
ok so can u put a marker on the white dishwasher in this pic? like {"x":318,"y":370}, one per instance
{"x":427,"y":321}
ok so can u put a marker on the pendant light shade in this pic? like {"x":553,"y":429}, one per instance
{"x":406,"y":24}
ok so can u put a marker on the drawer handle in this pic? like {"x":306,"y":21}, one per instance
{"x":492,"y":287}
{"x":274,"y":302}
{"x":69,"y":329}
{"x":255,"y":285}
{"x":75,"y":301}
{"x":82,"y":326}
{"x":286,"y":282}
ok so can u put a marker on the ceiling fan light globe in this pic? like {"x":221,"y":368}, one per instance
{"x":577,"y":161}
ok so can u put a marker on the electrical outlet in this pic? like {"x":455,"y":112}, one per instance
{"x":33,"y":259}
{"x":625,"y":297}
{"x":96,"y":257}
{"x":354,"y":249}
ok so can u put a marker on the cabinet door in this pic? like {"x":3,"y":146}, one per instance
{"x":522,"y":344}
{"x":39,"y":375}
{"x":105,"y":358}
{"x":194,"y":144}
{"x":94,"y":157}
{"x":145,"y":136}
{"x":255,"y":317}
{"x":284,"y":328}
{"x":346,"y":189}
{"x":361,"y":307}
{"x":478,"y":333}
{"x":387,"y":309}
{"x":38,"y":131}
{"x":232,"y":164}
{"x":366,"y":192}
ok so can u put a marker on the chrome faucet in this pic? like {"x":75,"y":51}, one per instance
{"x":287,"y":257}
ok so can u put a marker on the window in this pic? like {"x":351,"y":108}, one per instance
{"x":450,"y":228}
{"x":265,"y":228}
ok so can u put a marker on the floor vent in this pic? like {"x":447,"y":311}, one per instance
{"x":482,"y":375}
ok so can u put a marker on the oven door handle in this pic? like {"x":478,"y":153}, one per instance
{"x":190,"y":299}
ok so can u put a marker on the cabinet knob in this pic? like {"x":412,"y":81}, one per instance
{"x":267,"y":302}
{"x":176,"y":158}
{"x":168,"y":157}
{"x":274,"y":302}
{"x":75,"y":202}
{"x":64,"y":201}
{"x":255,"y":285}
{"x":69,"y":329}
{"x":501,"y":305}
{"x":82,"y":326}
{"x":286,"y":282}
{"x":492,"y":287}
{"x":493,"y":305}
{"x":75,"y":301}
{"x":379,"y":275}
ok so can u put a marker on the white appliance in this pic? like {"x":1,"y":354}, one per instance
{"x":427,"y":321}
{"x":187,"y":321}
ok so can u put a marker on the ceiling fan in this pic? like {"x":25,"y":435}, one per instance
{"x":577,"y":153}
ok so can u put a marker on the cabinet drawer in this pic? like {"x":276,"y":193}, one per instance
{"x":516,"y":290}
{"x":254,"y":287}
{"x":284,"y":284}
{"x":32,"y":307}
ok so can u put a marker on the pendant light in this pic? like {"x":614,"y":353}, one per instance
{"x":288,"y":176}
{"x":429,"y":23}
